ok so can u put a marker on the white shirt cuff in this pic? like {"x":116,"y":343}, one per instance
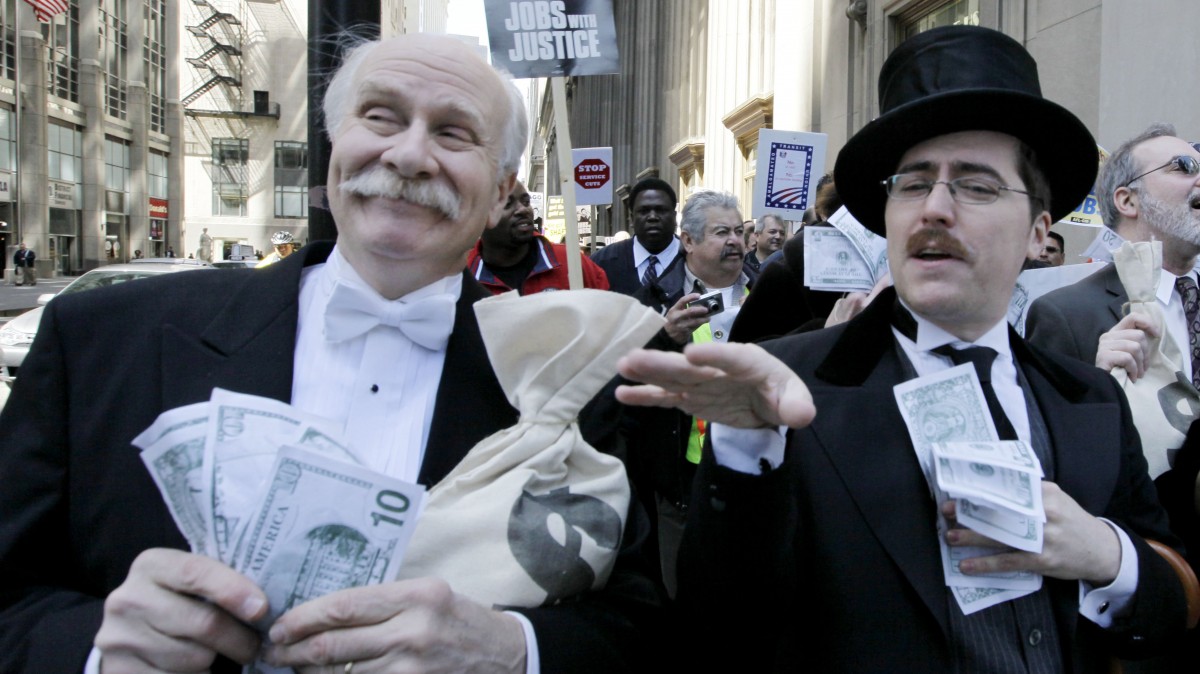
{"x":745,"y":449}
{"x":533,"y":664}
{"x":1103,"y":605}
{"x":93,"y":662}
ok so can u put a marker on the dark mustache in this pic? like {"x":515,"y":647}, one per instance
{"x":938,"y":239}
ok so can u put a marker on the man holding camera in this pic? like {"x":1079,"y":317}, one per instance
{"x":699,"y":294}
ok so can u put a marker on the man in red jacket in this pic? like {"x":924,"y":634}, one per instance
{"x":513,"y":256}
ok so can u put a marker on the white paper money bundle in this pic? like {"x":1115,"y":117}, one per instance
{"x":273,"y":493}
{"x":948,"y":410}
{"x":846,"y":257}
{"x":997,"y":487}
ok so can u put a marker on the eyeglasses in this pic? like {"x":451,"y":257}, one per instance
{"x":975,"y":191}
{"x":1185,"y":164}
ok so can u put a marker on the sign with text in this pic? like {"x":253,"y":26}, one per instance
{"x":592,"y":175}
{"x":553,"y":38}
{"x":61,"y":194}
{"x":554,"y":226}
{"x":5,"y":186}
{"x":1088,"y":213}
{"x":789,"y":165}
{"x":537,"y":201}
{"x":159,"y":208}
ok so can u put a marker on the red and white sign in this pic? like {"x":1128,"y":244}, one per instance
{"x":593,"y":175}
{"x":159,"y":208}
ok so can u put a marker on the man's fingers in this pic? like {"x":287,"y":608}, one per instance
{"x":664,"y":368}
{"x":203,"y":577}
{"x":647,"y":395}
{"x":1004,"y":562}
{"x":357,"y":607}
{"x":1137,"y":321}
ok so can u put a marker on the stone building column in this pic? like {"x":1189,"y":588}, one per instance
{"x":91,"y":99}
{"x":33,"y":212}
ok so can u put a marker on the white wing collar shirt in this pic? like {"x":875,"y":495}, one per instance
{"x":372,"y":364}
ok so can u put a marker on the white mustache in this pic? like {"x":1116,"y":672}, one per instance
{"x":377,"y":181}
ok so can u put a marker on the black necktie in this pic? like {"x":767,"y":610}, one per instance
{"x":651,"y":274}
{"x":981,"y":357}
{"x":1186,"y":287}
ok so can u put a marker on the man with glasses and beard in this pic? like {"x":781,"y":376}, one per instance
{"x":1149,"y":190}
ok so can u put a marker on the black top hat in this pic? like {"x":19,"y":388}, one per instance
{"x":963,"y":78}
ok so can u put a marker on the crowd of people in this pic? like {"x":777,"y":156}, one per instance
{"x":782,"y":511}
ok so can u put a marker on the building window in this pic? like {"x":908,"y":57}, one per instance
{"x":291,"y":179}
{"x":62,"y":46}
{"x":922,"y":16}
{"x":8,"y":154}
{"x":8,"y":51}
{"x":114,"y":45}
{"x":116,"y":165}
{"x":230,"y":191}
{"x":155,"y":52}
{"x":157,"y":171}
{"x":64,"y":153}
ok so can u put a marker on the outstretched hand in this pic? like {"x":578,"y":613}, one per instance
{"x":738,"y":385}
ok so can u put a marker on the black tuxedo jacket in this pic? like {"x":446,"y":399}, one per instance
{"x":1070,"y":320}
{"x":77,"y":505}
{"x":843,"y":538}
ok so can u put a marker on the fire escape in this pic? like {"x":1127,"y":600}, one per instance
{"x":219,"y":66}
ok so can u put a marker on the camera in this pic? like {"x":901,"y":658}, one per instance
{"x":711,"y":301}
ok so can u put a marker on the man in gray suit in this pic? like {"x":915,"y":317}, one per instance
{"x":1149,"y":190}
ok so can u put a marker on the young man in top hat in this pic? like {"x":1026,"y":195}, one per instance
{"x":833,"y":520}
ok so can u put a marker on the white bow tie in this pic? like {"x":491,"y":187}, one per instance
{"x":352,"y":311}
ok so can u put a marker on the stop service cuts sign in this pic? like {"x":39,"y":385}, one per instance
{"x":593,"y":175}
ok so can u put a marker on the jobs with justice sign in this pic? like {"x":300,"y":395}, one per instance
{"x":553,"y":38}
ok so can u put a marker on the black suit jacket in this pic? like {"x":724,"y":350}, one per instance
{"x":77,"y":505}
{"x":617,"y":262}
{"x":1071,"y":319}
{"x":842,"y":537}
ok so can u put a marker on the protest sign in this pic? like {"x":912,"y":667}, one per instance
{"x":592,"y":175}
{"x":789,"y":165}
{"x":561,"y":38}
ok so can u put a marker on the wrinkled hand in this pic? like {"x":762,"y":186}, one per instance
{"x":409,"y":625}
{"x":1075,"y":545}
{"x":853,"y":303}
{"x":682,"y":320}
{"x":1127,"y":346}
{"x":739,"y":385}
{"x":175,"y":612}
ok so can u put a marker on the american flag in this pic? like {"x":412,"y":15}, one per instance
{"x":45,"y":10}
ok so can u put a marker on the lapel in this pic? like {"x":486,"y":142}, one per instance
{"x":875,"y":460}
{"x":470,"y":404}
{"x":860,"y":429}
{"x":249,"y":345}
{"x":1116,"y":290}
{"x":1081,"y":433}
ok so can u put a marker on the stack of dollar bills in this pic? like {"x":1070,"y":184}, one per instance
{"x":275,"y":494}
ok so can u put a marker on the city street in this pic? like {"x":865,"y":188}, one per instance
{"x":17,"y":299}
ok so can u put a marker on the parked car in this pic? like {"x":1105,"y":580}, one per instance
{"x":235,"y":264}
{"x":5,"y":381}
{"x":18,"y":333}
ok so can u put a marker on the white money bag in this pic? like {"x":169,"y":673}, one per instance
{"x":534,"y":514}
{"x":1163,"y":401}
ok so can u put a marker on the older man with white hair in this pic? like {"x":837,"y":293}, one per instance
{"x":426,"y":140}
